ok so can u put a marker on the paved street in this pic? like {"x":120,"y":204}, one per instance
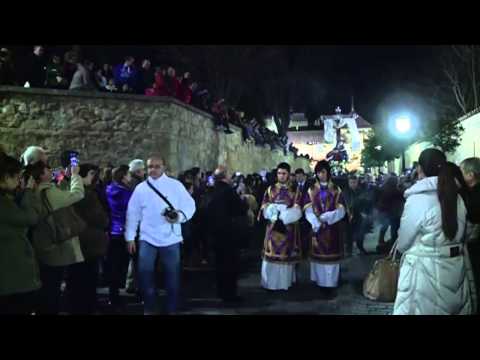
{"x":303,"y":298}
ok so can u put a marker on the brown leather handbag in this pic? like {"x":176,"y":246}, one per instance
{"x":381,"y":282}
{"x":63,"y":223}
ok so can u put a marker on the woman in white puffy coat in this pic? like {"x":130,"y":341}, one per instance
{"x":433,"y":279}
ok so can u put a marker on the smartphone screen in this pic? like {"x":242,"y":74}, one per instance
{"x":211,"y":181}
{"x":73,"y":160}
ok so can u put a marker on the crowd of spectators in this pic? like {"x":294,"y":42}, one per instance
{"x":76,"y":73}
{"x":36,"y":263}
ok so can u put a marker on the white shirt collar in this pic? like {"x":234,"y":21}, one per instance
{"x":160,"y":179}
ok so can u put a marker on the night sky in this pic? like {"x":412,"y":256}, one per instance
{"x":374,"y":73}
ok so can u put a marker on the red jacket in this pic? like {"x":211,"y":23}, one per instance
{"x":184,"y":93}
{"x":187,"y":97}
{"x":160,"y":88}
{"x":164,"y":90}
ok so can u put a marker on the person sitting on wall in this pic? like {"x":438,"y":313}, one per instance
{"x":55,"y":78}
{"x":146,"y":77}
{"x":82,"y":79}
{"x":184,"y":91}
{"x":7,"y":72}
{"x":126,"y":75}
{"x":171,"y":82}
{"x":220,"y":116}
{"x":35,"y":68}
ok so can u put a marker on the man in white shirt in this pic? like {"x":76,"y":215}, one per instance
{"x":160,"y":235}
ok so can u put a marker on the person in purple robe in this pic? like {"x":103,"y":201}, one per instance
{"x":325,"y":209}
{"x":282,"y":248}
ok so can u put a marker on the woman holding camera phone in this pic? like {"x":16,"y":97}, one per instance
{"x":55,"y":257}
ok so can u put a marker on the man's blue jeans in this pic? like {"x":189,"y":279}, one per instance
{"x":170,"y":258}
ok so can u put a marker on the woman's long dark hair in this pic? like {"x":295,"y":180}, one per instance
{"x":434,"y":163}
{"x":457,"y":174}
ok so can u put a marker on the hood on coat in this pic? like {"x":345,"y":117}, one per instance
{"x":428,"y":184}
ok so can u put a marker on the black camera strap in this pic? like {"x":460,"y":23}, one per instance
{"x":161,"y":195}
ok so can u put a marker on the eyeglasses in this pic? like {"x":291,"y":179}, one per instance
{"x":154,"y":166}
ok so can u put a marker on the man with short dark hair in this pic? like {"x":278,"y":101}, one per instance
{"x":282,"y":249}
{"x":355,"y":200}
{"x":300,"y":178}
{"x":159,"y":206}
{"x":325,"y":211}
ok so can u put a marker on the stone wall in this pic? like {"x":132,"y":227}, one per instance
{"x":118,"y":128}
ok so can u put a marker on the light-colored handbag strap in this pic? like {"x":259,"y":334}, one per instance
{"x":393,"y":251}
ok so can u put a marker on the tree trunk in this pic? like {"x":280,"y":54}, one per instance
{"x":474,"y":81}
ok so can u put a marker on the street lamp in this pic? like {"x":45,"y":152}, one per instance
{"x":402,"y":126}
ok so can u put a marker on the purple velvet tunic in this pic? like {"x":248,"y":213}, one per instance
{"x":278,"y":248}
{"x":327,"y":242}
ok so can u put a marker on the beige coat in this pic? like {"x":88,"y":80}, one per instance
{"x":68,"y":252}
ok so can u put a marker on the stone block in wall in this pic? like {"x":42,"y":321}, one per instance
{"x":8,"y":110}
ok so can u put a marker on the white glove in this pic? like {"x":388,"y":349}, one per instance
{"x":274,"y":216}
{"x":290,"y":216}
{"x":270,"y":212}
{"x":312,"y":219}
{"x":332,"y":217}
{"x":281,"y":207}
{"x":324,"y":217}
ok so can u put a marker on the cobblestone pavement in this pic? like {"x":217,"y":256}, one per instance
{"x":303,"y":298}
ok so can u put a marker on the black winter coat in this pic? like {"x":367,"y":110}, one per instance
{"x":224,"y":207}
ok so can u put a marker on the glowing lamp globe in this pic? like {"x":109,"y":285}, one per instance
{"x":403,"y":125}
